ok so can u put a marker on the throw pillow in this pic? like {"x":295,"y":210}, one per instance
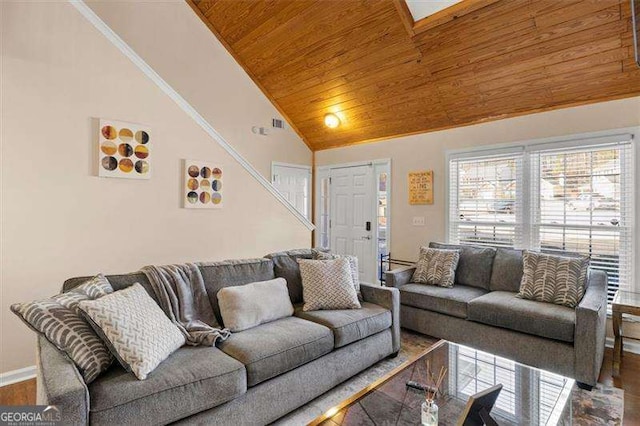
{"x":134,"y":327}
{"x":327,"y":284}
{"x":249,"y":305}
{"x":436,"y":267}
{"x":554,"y":279}
{"x":353,"y":265}
{"x":60,"y":322}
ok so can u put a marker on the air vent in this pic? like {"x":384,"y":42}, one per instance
{"x":277,"y":123}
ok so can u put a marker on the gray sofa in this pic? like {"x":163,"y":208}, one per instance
{"x":481,"y":310}
{"x":254,"y":377}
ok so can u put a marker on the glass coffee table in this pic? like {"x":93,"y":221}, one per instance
{"x":529,"y":396}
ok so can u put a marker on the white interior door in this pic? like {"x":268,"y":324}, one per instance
{"x":352,"y":220}
{"x":294,"y":183}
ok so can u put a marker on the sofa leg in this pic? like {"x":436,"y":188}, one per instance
{"x":393,"y":355}
{"x":584,"y":386}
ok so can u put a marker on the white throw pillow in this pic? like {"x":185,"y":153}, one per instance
{"x":249,"y":305}
{"x":353,"y":265}
{"x":135,"y":329}
{"x":327,"y":284}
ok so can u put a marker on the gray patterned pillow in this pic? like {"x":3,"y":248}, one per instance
{"x":134,"y":327}
{"x":59,"y":321}
{"x":353,"y":265}
{"x":553,"y":279}
{"x":436,"y":267}
{"x":327,"y":284}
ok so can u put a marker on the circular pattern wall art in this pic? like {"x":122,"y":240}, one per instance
{"x":124,"y":150}
{"x":202,"y":187}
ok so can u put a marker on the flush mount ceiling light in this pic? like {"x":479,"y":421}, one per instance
{"x":331,"y":121}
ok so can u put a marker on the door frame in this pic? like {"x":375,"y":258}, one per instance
{"x":323,"y":172}
{"x":309,"y":169}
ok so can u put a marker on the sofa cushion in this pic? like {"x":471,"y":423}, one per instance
{"x":58,"y":320}
{"x":134,"y":327}
{"x":228,"y":273}
{"x":271,"y":349}
{"x":353,"y":266}
{"x":285,"y":264}
{"x":450,"y":301}
{"x":554,"y":279}
{"x":507,"y":270}
{"x":436,"y":267}
{"x":249,"y":305}
{"x":474,"y":266}
{"x":191,"y":380}
{"x":350,"y":325}
{"x":327,"y":284}
{"x":504,"y":309}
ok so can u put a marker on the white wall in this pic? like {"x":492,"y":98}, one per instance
{"x":171,"y":38}
{"x":60,"y":220}
{"x":427,"y":152}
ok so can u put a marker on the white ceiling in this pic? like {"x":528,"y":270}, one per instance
{"x":423,"y":8}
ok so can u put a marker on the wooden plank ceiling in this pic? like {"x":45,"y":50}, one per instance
{"x":362,"y":60}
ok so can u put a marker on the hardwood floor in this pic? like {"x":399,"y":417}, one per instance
{"x":629,"y":380}
{"x":24,"y":393}
{"x":21,"y":393}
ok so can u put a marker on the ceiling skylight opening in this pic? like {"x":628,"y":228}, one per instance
{"x":423,"y":8}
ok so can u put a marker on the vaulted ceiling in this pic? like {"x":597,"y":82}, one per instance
{"x":386,"y":76}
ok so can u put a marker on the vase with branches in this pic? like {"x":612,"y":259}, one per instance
{"x":429,"y":410}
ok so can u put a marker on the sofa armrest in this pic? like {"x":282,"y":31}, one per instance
{"x":387,"y":298}
{"x":399,"y":276}
{"x":590,"y":332}
{"x":59,"y":383}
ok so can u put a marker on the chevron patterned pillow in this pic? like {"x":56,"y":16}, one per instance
{"x":59,"y":321}
{"x":553,"y":279}
{"x":327,"y":284}
{"x":436,"y":267}
{"x":353,"y":265}
{"x":134,"y":327}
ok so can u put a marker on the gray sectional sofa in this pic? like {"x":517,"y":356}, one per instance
{"x":254,"y":377}
{"x":481,"y":310}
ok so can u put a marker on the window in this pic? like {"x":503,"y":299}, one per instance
{"x":382,"y":219}
{"x":484,"y":196}
{"x":569,"y":196}
{"x":528,"y":396}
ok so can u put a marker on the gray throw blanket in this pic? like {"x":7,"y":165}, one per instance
{"x":182,"y":296}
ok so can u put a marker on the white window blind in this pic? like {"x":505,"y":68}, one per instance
{"x":574,"y":196}
{"x":484,"y":206}
{"x":582,"y":202}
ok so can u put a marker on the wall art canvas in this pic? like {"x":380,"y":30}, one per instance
{"x":124,"y":150}
{"x":202,"y":188}
{"x":421,"y":187}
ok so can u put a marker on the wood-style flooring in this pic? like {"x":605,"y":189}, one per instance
{"x":24,"y":393}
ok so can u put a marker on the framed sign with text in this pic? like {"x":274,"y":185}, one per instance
{"x":421,"y":187}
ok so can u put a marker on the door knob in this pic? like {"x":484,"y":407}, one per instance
{"x":368,"y":237}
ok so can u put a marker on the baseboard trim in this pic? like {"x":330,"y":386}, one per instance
{"x":631,"y":346}
{"x":15,"y":376}
{"x":119,"y":43}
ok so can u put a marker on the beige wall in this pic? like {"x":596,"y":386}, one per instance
{"x":427,"y":151}
{"x":60,"y":220}
{"x":177,"y":44}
